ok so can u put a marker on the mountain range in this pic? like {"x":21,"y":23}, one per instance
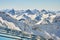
{"x":38,"y":22}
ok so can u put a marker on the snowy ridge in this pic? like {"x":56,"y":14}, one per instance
{"x":43,"y":23}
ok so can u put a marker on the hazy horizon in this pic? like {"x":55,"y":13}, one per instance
{"x":30,"y":4}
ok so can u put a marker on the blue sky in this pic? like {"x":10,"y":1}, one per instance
{"x":30,"y":4}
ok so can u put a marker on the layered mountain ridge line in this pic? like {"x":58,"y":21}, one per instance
{"x":37,"y":22}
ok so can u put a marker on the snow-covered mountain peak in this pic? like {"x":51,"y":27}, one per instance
{"x":43,"y":23}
